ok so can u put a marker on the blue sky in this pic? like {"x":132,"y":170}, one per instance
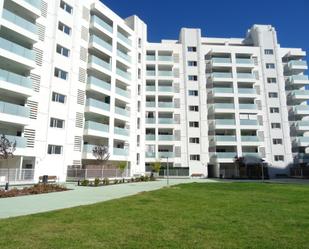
{"x":225,"y":18}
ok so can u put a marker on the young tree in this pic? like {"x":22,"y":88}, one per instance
{"x":7,"y":149}
{"x":100,"y":152}
{"x":122,"y":166}
{"x":156,"y":166}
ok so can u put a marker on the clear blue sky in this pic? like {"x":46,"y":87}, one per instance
{"x":225,"y":18}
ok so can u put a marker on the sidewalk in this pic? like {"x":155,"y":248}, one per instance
{"x":25,"y":205}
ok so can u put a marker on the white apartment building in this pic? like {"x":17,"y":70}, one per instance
{"x":73,"y":74}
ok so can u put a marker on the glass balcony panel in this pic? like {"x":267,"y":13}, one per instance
{"x":150,"y":120}
{"x":100,"y":62}
{"x":225,"y":138}
{"x":121,"y":131}
{"x":225,"y":121}
{"x":101,"y":42}
{"x":99,"y":83}
{"x":150,"y":57}
{"x":166,"y":104}
{"x":150,"y":154}
{"x":124,"y":39}
{"x":245,"y":76}
{"x":166,"y":89}
{"x":13,"y":109}
{"x":21,"y":142}
{"x":121,"y":152}
{"x":17,"y":49}
{"x":248,"y":106}
{"x":102,"y":23}
{"x":151,"y":88}
{"x":34,"y":3}
{"x":166,"y":121}
{"x":249,"y":138}
{"x":248,"y":122}
{"x":150,"y":137}
{"x":123,"y":74}
{"x":246,"y":91}
{"x":15,"y":79}
{"x":165,"y":73}
{"x":222,"y":90}
{"x":244,"y":61}
{"x":151,"y":73}
{"x":122,"y":111}
{"x":124,"y":55}
{"x":226,"y":155}
{"x":96,"y":126}
{"x":166,"y":137}
{"x":222,"y":75}
{"x":19,"y":21}
{"x":150,"y":104}
{"x":221,"y":60}
{"x":98,"y":104}
{"x":122,"y":92}
{"x":165,"y":154}
{"x":165,"y":58}
{"x":224,"y":106}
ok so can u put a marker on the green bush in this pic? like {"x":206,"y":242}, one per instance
{"x":105,"y":181}
{"x":96,"y":182}
{"x":142,"y":178}
{"x":146,"y":178}
{"x":115,"y":181}
{"x":132,"y":179}
{"x":84,"y":183}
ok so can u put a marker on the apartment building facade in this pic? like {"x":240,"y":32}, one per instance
{"x":73,"y":75}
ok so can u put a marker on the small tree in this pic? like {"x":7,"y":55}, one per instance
{"x":122,"y":166}
{"x":7,"y":149}
{"x":100,"y":152}
{"x":156,"y":166}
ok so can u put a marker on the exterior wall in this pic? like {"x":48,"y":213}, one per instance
{"x":108,"y":68}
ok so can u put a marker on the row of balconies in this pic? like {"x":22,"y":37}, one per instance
{"x":298,"y":80}
{"x":230,"y":108}
{"x":229,"y":157}
{"x":228,"y":76}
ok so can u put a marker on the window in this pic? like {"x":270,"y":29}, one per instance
{"x":56,"y":123}
{"x":277,"y":141}
{"x":138,"y":140}
{"x":279,"y":158}
{"x":270,"y":65}
{"x":193,"y":93}
{"x":191,"y":49}
{"x":273,"y":95}
{"x":139,"y":89}
{"x":60,"y":74}
{"x":192,"y":63}
{"x":193,"y":124}
{"x":64,"y":28}
{"x":271,"y":80}
{"x":138,"y":123}
{"x":54,"y":149}
{"x":193,"y":108}
{"x":194,"y":157}
{"x":268,"y":51}
{"x":57,"y":97}
{"x":63,"y":51}
{"x":194,"y":140}
{"x":139,"y":42}
{"x":275,"y":125}
{"x":192,"y":77}
{"x":66,"y":7}
{"x":274,"y":110}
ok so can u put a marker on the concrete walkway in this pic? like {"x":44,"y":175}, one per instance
{"x":25,"y":205}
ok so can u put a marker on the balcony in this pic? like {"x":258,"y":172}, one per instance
{"x":122,"y":92}
{"x":165,"y":73}
{"x":166,"y":89}
{"x":298,"y":80}
{"x":121,"y":131}
{"x":224,"y":157}
{"x":247,"y":91}
{"x":150,"y":88}
{"x":34,"y":3}
{"x":250,"y":139}
{"x":150,"y":154}
{"x":301,"y":110}
{"x":165,"y":58}
{"x":166,"y":121}
{"x":302,"y":141}
{"x":297,"y":65}
{"x":166,"y":137}
{"x":165,"y":154}
{"x":252,"y":154}
{"x":221,"y":62}
{"x":95,"y":61}
{"x":122,"y":111}
{"x":245,"y":76}
{"x":222,"y":92}
{"x":302,"y":125}
{"x":223,"y":108}
{"x":15,"y":83}
{"x":300,"y":95}
{"x":223,"y":123}
{"x":103,"y":44}
{"x":302,"y":158}
{"x":166,"y":104}
{"x":150,"y":104}
{"x":248,"y":107}
{"x":120,"y":152}
{"x":150,"y":57}
{"x":223,"y":140}
{"x":221,"y":77}
{"x":97,"y":84}
{"x":96,"y":106}
{"x":150,"y":120}
{"x":123,"y":74}
{"x":21,"y":25}
{"x":124,"y":56}
{"x":12,"y":113}
{"x":21,"y":142}
{"x":101,"y":23}
{"x":248,"y":122}
{"x":243,"y":62}
{"x":125,"y":39}
{"x":150,"y":137}
{"x":16,"y":53}
{"x":151,"y":73}
{"x":96,"y":129}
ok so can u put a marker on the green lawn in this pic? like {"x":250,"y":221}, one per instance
{"x":210,"y":215}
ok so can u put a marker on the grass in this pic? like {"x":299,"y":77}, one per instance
{"x":212,"y":215}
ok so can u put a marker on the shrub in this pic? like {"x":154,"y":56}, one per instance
{"x":105,"y":181}
{"x":84,"y":183}
{"x":146,"y":178}
{"x":142,"y":178}
{"x":132,"y":179}
{"x":152,"y":178}
{"x":115,"y":181}
{"x":96,"y":182}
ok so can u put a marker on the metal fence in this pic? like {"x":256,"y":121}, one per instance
{"x":174,"y":173}
{"x":80,"y":174}
{"x":16,"y":176}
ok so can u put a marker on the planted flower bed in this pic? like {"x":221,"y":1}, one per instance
{"x":106,"y":181}
{"x":34,"y":190}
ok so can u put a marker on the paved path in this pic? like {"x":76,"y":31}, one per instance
{"x":24,"y":205}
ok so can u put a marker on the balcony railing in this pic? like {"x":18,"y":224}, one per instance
{"x":150,"y":57}
{"x":244,"y":61}
{"x":151,"y":73}
{"x":248,"y":122}
{"x":17,"y":49}
{"x":19,"y":21}
{"x":99,"y":83}
{"x":150,"y":120}
{"x":15,"y":79}
{"x":166,"y":104}
{"x":124,"y":55}
{"x":248,"y":106}
{"x":98,"y":104}
{"x":34,"y":3}
{"x":124,"y":39}
{"x":223,"y":106}
{"x":150,"y":104}
{"x":150,"y":154}
{"x":165,"y":154}
{"x":123,"y":74}
{"x":101,"y":42}
{"x":121,"y":152}
{"x":250,"y":139}
{"x":225,"y":121}
{"x":150,"y":137}
{"x":166,"y":121}
{"x":121,"y":131}
{"x":91,"y":125}
{"x":226,"y":155}
{"x":21,"y":142}
{"x":246,"y":91}
{"x":225,"y":138}
{"x":166,"y":137}
{"x":122,"y":92}
{"x":102,"y":23}
{"x":245,"y":76}
{"x":122,"y":111}
{"x":297,"y":63}
{"x":222,"y":75}
{"x":165,"y":73}
{"x":222,"y":90}
{"x":165,"y":58}
{"x":100,"y":62}
{"x":221,"y":60}
{"x":168,"y":89}
{"x":298,"y":78}
{"x":13,"y":109}
{"x":151,"y":88}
